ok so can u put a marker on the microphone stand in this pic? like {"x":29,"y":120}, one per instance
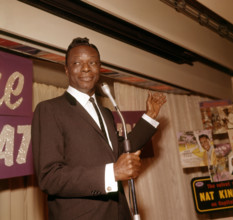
{"x":127,"y":148}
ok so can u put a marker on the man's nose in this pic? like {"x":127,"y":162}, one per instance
{"x":85,"y":67}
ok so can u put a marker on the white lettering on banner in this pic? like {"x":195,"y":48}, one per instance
{"x":9,"y":90}
{"x":7,"y":144}
{"x":7,"y":140}
{"x":23,"y":149}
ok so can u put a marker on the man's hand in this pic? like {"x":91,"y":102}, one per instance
{"x":153,"y":104}
{"x":127,"y":166}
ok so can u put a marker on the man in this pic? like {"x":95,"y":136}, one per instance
{"x":77,"y":164}
{"x":209,"y":154}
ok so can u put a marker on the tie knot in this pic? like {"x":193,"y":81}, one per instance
{"x":92,"y":100}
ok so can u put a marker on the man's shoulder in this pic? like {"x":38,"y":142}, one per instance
{"x":55,"y":103}
{"x":53,"y":100}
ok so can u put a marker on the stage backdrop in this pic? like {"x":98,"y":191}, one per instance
{"x":15,"y":116}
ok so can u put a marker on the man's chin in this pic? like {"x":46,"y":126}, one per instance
{"x":87,"y":89}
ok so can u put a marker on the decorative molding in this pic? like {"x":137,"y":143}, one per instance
{"x":105,"y":23}
{"x":28,"y":48}
{"x":203,"y":16}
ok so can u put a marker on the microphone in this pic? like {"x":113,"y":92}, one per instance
{"x":106,"y":90}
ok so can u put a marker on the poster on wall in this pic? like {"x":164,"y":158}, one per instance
{"x":194,"y":147}
{"x":15,"y":115}
{"x":217,"y":115}
{"x":226,"y":116}
{"x":214,"y":115}
{"x":221,"y":169}
{"x":202,"y":148}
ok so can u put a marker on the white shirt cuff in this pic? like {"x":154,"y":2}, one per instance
{"x":150,"y":120}
{"x":110,"y":183}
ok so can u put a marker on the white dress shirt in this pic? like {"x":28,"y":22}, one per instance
{"x":83,"y":99}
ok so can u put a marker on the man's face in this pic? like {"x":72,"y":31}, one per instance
{"x":205,"y":143}
{"x":83,"y":68}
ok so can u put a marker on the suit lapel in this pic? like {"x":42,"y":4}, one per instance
{"x":83,"y":113}
{"x":86,"y":116}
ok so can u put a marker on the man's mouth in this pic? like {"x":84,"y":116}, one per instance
{"x":86,"y":79}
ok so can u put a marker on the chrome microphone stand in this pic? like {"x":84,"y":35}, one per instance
{"x":127,"y":148}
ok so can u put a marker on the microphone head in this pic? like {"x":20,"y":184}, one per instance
{"x":105,"y":88}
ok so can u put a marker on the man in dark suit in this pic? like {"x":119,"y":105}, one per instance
{"x":77,"y":164}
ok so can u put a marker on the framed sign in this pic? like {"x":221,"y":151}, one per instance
{"x":209,"y":197}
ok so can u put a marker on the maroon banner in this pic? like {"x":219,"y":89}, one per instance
{"x":131,"y":118}
{"x":15,"y":115}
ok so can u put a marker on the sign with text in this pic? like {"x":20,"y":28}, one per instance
{"x":131,"y":118}
{"x":210,"y":196}
{"x":15,"y":147}
{"x":15,"y":115}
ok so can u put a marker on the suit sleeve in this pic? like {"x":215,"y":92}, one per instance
{"x":55,"y":175}
{"x":139,"y":136}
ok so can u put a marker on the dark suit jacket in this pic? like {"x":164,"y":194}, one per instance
{"x":70,"y":153}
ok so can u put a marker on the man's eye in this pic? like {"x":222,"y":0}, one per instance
{"x":92,"y":63}
{"x":77,"y":63}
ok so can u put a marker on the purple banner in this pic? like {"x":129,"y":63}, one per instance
{"x":15,"y":85}
{"x":131,"y":118}
{"x":15,"y":146}
{"x":15,"y":116}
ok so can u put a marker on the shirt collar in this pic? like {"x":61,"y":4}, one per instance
{"x":81,"y":97}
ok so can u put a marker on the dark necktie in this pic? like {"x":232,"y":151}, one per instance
{"x":98,"y":114}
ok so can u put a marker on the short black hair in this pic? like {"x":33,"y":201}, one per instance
{"x":79,"y":41}
{"x":203,"y":135}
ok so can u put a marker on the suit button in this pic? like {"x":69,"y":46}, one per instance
{"x":109,"y":188}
